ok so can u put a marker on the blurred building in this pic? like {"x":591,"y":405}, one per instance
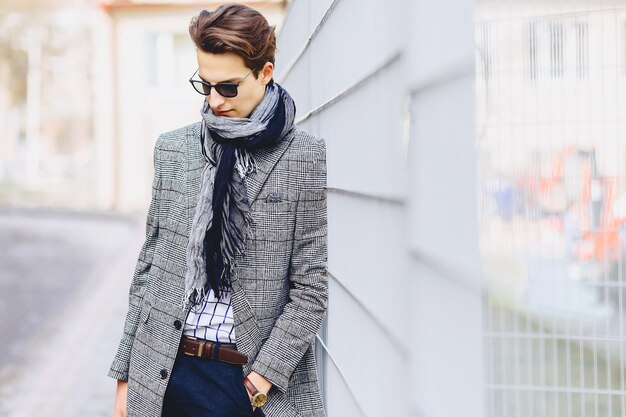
{"x":46,"y":111}
{"x":86,"y":88}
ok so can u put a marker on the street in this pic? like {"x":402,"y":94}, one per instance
{"x":64,"y":279}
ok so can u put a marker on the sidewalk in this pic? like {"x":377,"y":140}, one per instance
{"x":64,"y":352}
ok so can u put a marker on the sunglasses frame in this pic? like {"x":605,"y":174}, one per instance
{"x":217,"y":86}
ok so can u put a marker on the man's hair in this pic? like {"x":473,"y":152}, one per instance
{"x":235,"y":28}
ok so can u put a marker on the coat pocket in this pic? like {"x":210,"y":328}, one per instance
{"x":274,"y":221}
{"x":145,"y":313}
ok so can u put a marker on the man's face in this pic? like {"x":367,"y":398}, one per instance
{"x":230,"y":67}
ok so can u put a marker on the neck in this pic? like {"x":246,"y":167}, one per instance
{"x":258,"y":101}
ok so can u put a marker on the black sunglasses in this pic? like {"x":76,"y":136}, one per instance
{"x":224,"y":89}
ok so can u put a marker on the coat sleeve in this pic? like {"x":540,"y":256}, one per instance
{"x":119,"y":367}
{"x":295,"y":329}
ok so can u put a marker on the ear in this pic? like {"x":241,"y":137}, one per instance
{"x":267,"y":72}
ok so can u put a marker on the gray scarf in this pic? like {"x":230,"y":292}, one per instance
{"x":236,"y":208}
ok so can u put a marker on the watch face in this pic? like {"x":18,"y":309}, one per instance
{"x":259,"y":399}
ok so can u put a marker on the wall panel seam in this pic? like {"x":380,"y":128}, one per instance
{"x":399,"y":201}
{"x":393,"y":58}
{"x":400,"y":344}
{"x":342,"y":376}
{"x":302,"y":50}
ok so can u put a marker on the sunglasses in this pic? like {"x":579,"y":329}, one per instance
{"x":224,"y":89}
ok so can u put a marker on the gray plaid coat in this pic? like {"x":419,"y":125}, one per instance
{"x":280,"y":287}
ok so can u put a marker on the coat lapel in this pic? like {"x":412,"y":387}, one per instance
{"x":265,"y":160}
{"x":194,"y":164}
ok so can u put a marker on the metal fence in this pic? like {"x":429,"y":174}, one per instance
{"x":549,"y":93}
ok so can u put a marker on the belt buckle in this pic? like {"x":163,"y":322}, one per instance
{"x":200,"y":348}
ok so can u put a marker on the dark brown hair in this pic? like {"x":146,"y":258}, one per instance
{"x":235,"y":28}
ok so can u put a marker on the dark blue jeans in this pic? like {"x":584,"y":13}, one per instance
{"x":200,"y":387}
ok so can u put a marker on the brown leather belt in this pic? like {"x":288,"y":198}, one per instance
{"x":202,"y":348}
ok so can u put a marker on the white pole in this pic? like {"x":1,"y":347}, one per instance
{"x":33,"y":111}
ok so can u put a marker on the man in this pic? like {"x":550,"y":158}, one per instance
{"x":230,"y":288}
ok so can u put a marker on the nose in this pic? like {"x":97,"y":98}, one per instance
{"x":215,"y":99}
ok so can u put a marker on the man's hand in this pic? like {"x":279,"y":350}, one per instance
{"x":119,"y":408}
{"x":262,"y":384}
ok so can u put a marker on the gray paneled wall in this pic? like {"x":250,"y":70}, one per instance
{"x":389,"y":85}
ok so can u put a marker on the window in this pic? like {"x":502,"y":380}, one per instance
{"x":485,"y":48}
{"x":557,"y":49}
{"x":169,"y":55}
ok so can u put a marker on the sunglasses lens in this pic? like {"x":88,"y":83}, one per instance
{"x":201,"y":88}
{"x":227,"y":90}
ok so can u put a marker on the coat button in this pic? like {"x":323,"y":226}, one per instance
{"x":177,"y":324}
{"x":163,"y":373}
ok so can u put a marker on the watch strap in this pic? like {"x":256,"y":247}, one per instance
{"x":250,"y":385}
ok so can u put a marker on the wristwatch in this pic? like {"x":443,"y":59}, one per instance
{"x":258,"y":398}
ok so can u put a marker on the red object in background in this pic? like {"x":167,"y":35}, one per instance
{"x":596,"y":243}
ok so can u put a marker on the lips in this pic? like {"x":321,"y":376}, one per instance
{"x":221,"y":113}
